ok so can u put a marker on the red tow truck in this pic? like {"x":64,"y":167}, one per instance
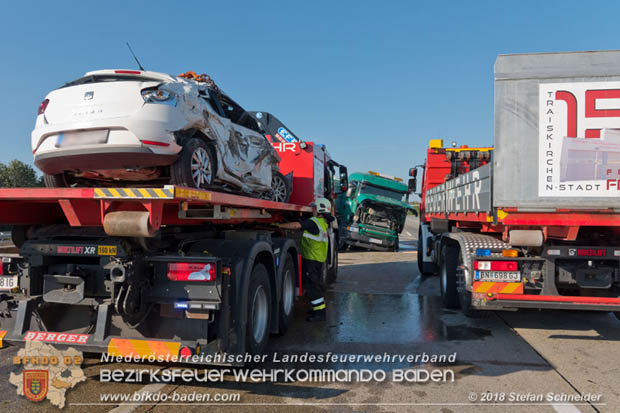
{"x":533,"y":222}
{"x":163,"y":272}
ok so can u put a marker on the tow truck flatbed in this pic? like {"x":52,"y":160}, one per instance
{"x":168,"y":205}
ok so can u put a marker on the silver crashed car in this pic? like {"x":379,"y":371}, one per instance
{"x":131,"y":127}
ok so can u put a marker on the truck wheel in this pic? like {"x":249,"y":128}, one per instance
{"x":332,"y":273}
{"x":280,"y":192}
{"x":465,"y":296}
{"x":259,"y":311}
{"x":324,"y":281}
{"x":195,"y":167}
{"x":396,"y":246}
{"x":56,"y":181}
{"x":287,"y":302}
{"x":447,"y":277}
{"x":426,"y":268}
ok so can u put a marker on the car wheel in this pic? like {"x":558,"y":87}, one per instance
{"x":56,"y":181}
{"x":259,"y":311}
{"x":195,"y":167}
{"x":280,"y":191}
{"x":287,"y":302}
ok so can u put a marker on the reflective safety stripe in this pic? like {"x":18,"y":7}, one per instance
{"x":317,"y":301}
{"x":319,"y":307}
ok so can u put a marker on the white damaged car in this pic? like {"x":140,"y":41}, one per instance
{"x":130,"y":127}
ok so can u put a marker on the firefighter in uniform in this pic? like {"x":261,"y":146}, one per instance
{"x":314,"y":246}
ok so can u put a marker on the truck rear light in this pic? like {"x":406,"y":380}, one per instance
{"x":483,"y":252}
{"x":496,"y":265}
{"x":191,"y":271}
{"x":510,"y":253}
{"x":43,"y":106}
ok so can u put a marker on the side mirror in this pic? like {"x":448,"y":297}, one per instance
{"x":412,"y":184}
{"x":344,"y":178}
{"x":413,"y":172}
{"x":350,"y":191}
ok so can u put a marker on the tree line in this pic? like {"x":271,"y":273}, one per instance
{"x":18,"y":174}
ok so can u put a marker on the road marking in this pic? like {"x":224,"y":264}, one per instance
{"x":565,"y":408}
{"x":130,"y":407}
{"x":408,"y":233}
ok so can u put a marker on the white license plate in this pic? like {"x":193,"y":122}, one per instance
{"x":502,"y":276}
{"x":89,"y":137}
{"x":376,"y":241}
{"x":8,"y":282}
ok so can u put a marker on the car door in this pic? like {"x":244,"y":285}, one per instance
{"x":253,"y":153}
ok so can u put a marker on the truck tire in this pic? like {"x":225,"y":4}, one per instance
{"x":287,"y":300}
{"x":56,"y":181}
{"x":447,"y":276}
{"x":324,"y":282}
{"x":396,"y":246}
{"x":464,"y":296}
{"x":195,"y":167}
{"x":426,"y":268}
{"x":332,"y":273}
{"x":259,"y":311}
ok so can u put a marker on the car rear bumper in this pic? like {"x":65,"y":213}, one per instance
{"x":101,"y":157}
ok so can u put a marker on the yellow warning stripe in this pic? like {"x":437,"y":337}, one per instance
{"x":497,"y":287}
{"x":187,"y":193}
{"x":2,"y":334}
{"x":131,"y":193}
{"x":483,"y":287}
{"x":142,"y":348}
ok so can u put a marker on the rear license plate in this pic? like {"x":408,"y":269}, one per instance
{"x":376,"y":241}
{"x":503,"y":276}
{"x":8,"y":282}
{"x":77,"y":138}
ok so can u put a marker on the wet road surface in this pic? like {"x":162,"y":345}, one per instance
{"x":380,"y":305}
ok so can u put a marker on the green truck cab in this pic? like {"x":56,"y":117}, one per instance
{"x":372,"y":212}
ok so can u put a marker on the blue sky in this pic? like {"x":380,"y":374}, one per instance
{"x":372,"y":80}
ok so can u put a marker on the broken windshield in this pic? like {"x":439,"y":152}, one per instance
{"x":370,"y":189}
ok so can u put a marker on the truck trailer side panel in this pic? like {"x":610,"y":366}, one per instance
{"x":546,"y":105}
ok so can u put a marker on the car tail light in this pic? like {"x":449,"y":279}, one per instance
{"x":43,"y":106}
{"x":154,"y":143}
{"x":191,"y":271}
{"x":496,"y":265}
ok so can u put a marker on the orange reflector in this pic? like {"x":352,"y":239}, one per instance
{"x":510,"y":253}
{"x":142,"y":348}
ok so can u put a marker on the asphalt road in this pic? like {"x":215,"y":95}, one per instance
{"x":381,"y":305}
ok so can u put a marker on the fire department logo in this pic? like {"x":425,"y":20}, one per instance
{"x":35,"y":384}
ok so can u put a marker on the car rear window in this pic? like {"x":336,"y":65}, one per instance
{"x":108,"y":78}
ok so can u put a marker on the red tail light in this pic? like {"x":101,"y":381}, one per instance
{"x":128,"y":72}
{"x":43,"y":106}
{"x":496,"y":265}
{"x":191,"y":271}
